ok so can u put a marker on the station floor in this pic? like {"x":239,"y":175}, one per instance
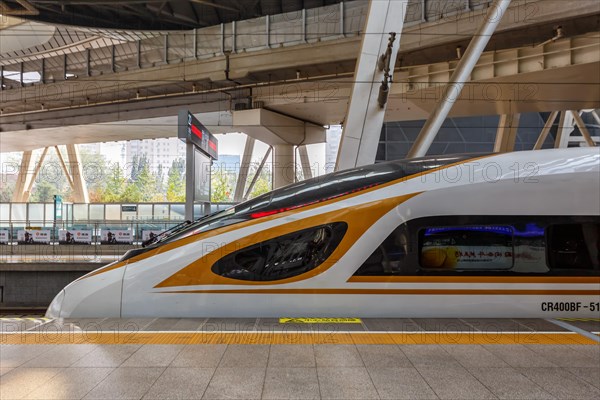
{"x":299,"y":359}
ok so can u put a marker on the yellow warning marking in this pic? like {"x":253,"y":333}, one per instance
{"x":25,"y":319}
{"x":320,"y":321}
{"x":580,"y":319}
{"x":274,"y":338}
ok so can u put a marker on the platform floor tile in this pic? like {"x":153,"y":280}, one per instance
{"x":106,"y":355}
{"x":454,"y":383}
{"x":57,"y":357}
{"x":301,"y":372}
{"x":519,"y":356}
{"x":563,"y":356}
{"x":382,"y":356}
{"x":590,"y":375}
{"x":474,"y":356}
{"x":200,"y":356}
{"x":291,"y":383}
{"x":125,"y":383}
{"x":292,"y":356}
{"x":400,"y":383}
{"x":161,"y":355}
{"x":346,"y":383}
{"x":19,"y":382}
{"x":345,"y":355}
{"x":429,"y":355}
{"x":508,"y":383}
{"x":180,"y":383}
{"x":561,"y":383}
{"x":70,"y":383}
{"x":236,"y":383}
{"x":12,"y":356}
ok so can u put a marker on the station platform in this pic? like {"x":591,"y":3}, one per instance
{"x":292,"y":358}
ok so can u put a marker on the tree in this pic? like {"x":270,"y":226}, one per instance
{"x":263,"y":183}
{"x":176,"y":181}
{"x":145,"y":183}
{"x":222,"y":186}
{"x":44,"y":192}
{"x":115,"y":186}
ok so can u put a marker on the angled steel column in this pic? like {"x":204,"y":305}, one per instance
{"x":458,"y":79}
{"x":544,"y":134}
{"x":565,"y":128}
{"x":257,"y":174}
{"x":364,"y":118}
{"x":244,"y":168}
{"x":596,"y":117}
{"x":583,"y":129}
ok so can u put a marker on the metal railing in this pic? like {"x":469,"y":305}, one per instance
{"x":74,"y":214}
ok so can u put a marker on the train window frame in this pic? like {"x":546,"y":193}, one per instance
{"x":251,"y":263}
{"x":416,"y":226}
{"x":551,"y":255}
{"x":483,"y":228}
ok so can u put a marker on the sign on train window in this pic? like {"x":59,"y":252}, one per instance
{"x":467,"y":248}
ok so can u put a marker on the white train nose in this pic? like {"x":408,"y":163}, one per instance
{"x":56,"y":305}
{"x":96,"y":295}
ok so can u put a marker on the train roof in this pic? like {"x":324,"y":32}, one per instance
{"x":340,"y":183}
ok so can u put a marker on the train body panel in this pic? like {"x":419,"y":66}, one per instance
{"x":508,"y":235}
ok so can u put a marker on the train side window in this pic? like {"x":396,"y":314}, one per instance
{"x":283,"y":257}
{"x":467,"y":248}
{"x":574,"y":246}
{"x":389,"y":258}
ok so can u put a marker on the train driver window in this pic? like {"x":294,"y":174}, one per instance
{"x":466,"y":248}
{"x":389,"y":258}
{"x":574,"y":246}
{"x":284,"y":256}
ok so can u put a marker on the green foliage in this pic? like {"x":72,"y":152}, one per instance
{"x":44,"y":191}
{"x":115,"y":187}
{"x":176,"y":181}
{"x":222,"y":185}
{"x":263,"y":183}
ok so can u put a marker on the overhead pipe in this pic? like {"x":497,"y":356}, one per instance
{"x":459,"y":77}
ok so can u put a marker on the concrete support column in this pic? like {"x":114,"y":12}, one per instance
{"x":244,"y":168}
{"x":305,"y":162}
{"x":364,"y":117}
{"x":507,"y":133}
{"x":24,"y":178}
{"x":284,"y":167}
{"x":80,"y":193}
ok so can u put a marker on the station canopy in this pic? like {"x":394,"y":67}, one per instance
{"x":151,"y":15}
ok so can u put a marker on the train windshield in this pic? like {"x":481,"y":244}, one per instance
{"x":316,"y":190}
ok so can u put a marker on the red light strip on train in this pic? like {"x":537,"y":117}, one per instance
{"x":262,"y":214}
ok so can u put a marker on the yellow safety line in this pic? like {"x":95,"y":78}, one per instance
{"x":580,"y":319}
{"x":251,"y":337}
{"x":320,"y":321}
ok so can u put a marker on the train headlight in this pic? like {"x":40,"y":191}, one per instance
{"x":56,"y":305}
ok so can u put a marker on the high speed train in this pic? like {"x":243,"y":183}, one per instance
{"x":486,"y":235}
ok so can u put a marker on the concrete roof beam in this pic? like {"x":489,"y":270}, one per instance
{"x":275,"y":129}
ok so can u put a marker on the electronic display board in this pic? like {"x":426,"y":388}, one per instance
{"x":189,"y":128}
